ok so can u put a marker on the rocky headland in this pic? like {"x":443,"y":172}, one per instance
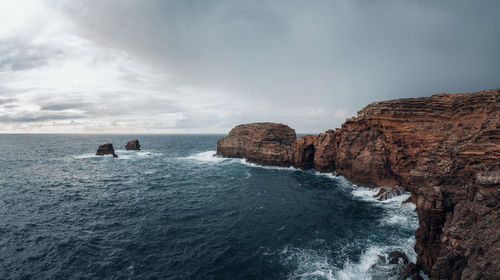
{"x":444,"y":149}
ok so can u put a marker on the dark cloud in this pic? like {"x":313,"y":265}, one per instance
{"x":306,"y":54}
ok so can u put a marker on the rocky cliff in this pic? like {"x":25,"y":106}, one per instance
{"x":445,"y":149}
{"x":263,"y":143}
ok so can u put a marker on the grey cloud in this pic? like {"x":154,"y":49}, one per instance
{"x":38,"y":117}
{"x":62,"y":106}
{"x":305,"y":54}
{"x":7,"y":100}
{"x":18,"y":54}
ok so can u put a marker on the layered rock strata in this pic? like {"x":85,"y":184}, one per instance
{"x":262,"y":143}
{"x":445,"y":149}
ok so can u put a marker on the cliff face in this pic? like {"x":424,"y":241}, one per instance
{"x":263,"y":143}
{"x":445,"y":149}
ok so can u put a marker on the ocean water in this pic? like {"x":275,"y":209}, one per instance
{"x":176,"y":211}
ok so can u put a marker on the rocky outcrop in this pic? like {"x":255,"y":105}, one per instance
{"x":133,"y":145}
{"x":303,"y":152}
{"x":262,"y":143}
{"x":445,"y":149}
{"x":106,"y":149}
{"x":385,"y":193}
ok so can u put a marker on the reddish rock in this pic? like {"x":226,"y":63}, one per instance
{"x":385,"y":193}
{"x":133,"y":145}
{"x":445,"y":149}
{"x":106,"y":149}
{"x":303,"y":152}
{"x":262,"y":143}
{"x":325,"y":146}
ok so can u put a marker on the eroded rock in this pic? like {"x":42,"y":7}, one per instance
{"x":106,"y":149}
{"x":445,"y":149}
{"x":133,"y":145}
{"x":262,"y":143}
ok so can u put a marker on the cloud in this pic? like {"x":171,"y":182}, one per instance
{"x":6,"y":100}
{"x":62,"y":106}
{"x":209,"y":65}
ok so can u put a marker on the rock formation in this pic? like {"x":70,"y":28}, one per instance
{"x":133,"y":145}
{"x":106,"y":149}
{"x":445,"y":149}
{"x":385,"y":193}
{"x":262,"y":143}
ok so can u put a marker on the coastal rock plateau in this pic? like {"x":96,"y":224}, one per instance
{"x":262,"y":143}
{"x":444,"y":149}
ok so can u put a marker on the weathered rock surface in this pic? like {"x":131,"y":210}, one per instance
{"x":386,"y":193}
{"x":303,"y":152}
{"x":262,"y":143}
{"x":106,"y":149}
{"x":397,"y":257}
{"x":133,"y":145}
{"x":445,"y":149}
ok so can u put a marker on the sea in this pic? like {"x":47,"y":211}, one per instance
{"x":175,"y":210}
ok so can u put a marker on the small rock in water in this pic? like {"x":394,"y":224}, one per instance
{"x":106,"y":149}
{"x":397,"y":257}
{"x":386,"y":193}
{"x":133,"y":145}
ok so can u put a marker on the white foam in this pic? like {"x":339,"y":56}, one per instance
{"x":395,"y":213}
{"x":122,"y":154}
{"x":310,"y":264}
{"x":361,"y":269}
{"x":251,"y":164}
{"x":88,"y":156}
{"x":314,"y":264}
{"x":128,"y":154}
{"x":206,"y":157}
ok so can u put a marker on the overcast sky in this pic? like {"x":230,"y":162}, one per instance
{"x":119,"y":66}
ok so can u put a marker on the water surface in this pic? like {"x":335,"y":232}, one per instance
{"x":174,"y":211}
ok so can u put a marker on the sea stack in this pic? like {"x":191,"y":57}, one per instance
{"x":133,"y":145}
{"x":106,"y":149}
{"x":444,"y":149}
{"x":263,"y":143}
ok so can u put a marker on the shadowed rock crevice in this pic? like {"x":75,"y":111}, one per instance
{"x":445,"y":149}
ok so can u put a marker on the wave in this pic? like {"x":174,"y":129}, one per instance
{"x":256,"y":165}
{"x":318,"y":264}
{"x":312,"y":264}
{"x":206,"y":157}
{"x":212,"y":157}
{"x":122,"y":154}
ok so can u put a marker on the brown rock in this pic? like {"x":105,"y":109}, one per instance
{"x":106,"y":149}
{"x":412,"y":272}
{"x":387,"y":192}
{"x":303,"y":152}
{"x":445,"y":149}
{"x":133,"y":145}
{"x":397,"y":257}
{"x":262,"y":143}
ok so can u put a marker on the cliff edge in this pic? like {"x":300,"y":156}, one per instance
{"x":445,"y":149}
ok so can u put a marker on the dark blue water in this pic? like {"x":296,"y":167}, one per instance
{"x":174,"y":211}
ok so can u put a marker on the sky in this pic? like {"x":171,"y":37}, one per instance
{"x":195,"y":66}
